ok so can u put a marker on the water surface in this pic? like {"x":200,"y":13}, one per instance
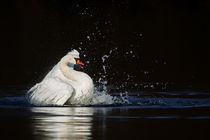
{"x":141,"y":115}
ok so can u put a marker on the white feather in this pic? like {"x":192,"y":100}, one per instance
{"x":73,"y":52}
{"x":62,"y":85}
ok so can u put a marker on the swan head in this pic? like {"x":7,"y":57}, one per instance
{"x":73,"y":52}
{"x":74,"y":60}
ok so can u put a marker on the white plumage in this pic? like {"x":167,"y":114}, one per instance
{"x":63,"y":85}
{"x":73,"y":52}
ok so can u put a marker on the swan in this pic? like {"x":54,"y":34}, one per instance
{"x":63,"y":84}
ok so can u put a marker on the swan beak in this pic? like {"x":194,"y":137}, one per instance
{"x":80,"y":63}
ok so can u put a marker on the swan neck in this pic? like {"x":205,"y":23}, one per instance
{"x":66,"y":70}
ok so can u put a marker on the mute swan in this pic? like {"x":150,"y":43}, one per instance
{"x":63,"y":84}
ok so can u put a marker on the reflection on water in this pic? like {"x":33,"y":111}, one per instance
{"x":149,"y":115}
{"x":62,"y":123}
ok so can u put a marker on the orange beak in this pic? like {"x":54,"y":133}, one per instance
{"x":80,"y":63}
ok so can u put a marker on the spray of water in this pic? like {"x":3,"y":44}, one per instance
{"x":101,"y":95}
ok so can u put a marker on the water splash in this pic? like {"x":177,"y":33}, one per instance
{"x":103,"y":78}
{"x":102,"y":98}
{"x":101,"y":95}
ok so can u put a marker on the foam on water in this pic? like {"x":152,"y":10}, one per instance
{"x":102,"y":98}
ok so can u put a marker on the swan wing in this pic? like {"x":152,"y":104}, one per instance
{"x":51,"y":91}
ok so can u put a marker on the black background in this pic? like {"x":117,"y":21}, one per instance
{"x":151,"y":41}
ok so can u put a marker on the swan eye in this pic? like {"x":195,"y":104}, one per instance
{"x":76,"y":59}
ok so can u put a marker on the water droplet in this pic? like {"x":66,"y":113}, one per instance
{"x":152,"y":86}
{"x":110,"y":52}
{"x":88,"y":37}
{"x":104,"y":58}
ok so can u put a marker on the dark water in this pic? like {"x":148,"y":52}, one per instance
{"x":141,"y":115}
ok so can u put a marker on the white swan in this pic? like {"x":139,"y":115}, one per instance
{"x":63,"y":85}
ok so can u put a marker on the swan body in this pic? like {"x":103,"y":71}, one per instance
{"x":63,"y":85}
